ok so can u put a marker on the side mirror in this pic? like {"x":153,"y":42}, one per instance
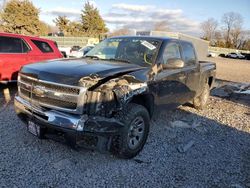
{"x":174,"y":63}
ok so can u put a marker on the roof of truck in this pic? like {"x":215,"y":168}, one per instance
{"x":165,"y":39}
{"x":23,"y":36}
{"x":149,"y":37}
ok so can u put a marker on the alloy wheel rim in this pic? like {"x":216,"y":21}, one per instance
{"x":136,"y":132}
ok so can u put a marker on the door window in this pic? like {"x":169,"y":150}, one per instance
{"x":13,"y":45}
{"x":188,"y":53}
{"x":171,"y":51}
{"x":43,"y":46}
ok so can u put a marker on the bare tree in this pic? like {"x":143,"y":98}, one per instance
{"x":120,"y":32}
{"x":219,"y":42}
{"x":208,"y":28}
{"x":232,"y":25}
{"x":161,"y":26}
{"x":246,"y":45}
{"x":236,"y":37}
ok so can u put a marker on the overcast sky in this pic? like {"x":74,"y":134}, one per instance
{"x":180,"y":15}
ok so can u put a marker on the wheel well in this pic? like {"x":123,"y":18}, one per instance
{"x":145,"y":100}
{"x":210,"y":81}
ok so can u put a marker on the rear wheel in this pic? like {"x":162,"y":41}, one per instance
{"x":200,"y":102}
{"x":134,"y":133}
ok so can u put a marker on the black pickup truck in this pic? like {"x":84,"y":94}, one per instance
{"x":107,"y":98}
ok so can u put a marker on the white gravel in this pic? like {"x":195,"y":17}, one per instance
{"x":218,"y":156}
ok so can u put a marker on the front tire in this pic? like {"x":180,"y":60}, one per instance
{"x":134,"y":133}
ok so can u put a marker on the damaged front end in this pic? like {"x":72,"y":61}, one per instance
{"x":107,"y":98}
{"x":101,"y":102}
{"x":104,"y":101}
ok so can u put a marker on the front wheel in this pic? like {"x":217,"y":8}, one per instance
{"x":200,"y":102}
{"x":134,"y":133}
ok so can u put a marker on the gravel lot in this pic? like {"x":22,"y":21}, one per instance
{"x":232,"y":69}
{"x":185,"y":148}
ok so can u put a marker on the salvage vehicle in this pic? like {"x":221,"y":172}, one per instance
{"x":65,"y":51}
{"x":18,"y":50}
{"x":107,"y":98}
{"x":81,"y":52}
{"x":68,"y":51}
{"x":235,"y":55}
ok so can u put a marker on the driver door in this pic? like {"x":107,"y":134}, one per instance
{"x":170,"y":84}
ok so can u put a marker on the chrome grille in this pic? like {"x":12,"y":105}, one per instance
{"x":54,"y":87}
{"x":51,"y":95}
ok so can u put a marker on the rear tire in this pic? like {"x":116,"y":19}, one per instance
{"x":200,"y":102}
{"x":134,"y":134}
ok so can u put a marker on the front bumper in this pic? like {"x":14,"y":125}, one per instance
{"x":66,"y":122}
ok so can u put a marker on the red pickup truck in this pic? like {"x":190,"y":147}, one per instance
{"x":18,"y":50}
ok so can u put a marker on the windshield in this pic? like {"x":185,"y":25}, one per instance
{"x":131,"y":50}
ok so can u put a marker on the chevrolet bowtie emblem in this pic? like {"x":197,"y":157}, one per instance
{"x":39,"y":91}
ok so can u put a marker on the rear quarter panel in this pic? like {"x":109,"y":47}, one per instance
{"x":207,"y":70}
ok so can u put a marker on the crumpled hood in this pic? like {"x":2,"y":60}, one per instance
{"x":70,"y":71}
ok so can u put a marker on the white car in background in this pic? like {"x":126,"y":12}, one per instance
{"x":212,"y":54}
{"x":235,"y":55}
{"x":65,"y":51}
{"x":81,"y":52}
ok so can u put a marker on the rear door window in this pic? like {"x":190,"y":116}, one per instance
{"x":43,"y":46}
{"x":13,"y":45}
{"x":189,"y":56}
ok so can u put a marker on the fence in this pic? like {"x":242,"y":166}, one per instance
{"x":83,"y":41}
{"x":218,"y":50}
{"x":74,"y":41}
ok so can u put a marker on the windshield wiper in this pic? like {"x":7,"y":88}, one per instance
{"x":117,"y":59}
{"x":111,"y":59}
{"x":92,"y":56}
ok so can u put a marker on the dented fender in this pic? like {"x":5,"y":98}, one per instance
{"x":126,"y":94}
{"x":110,"y":95}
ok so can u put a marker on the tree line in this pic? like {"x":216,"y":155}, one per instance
{"x":227,"y":33}
{"x":22,"y":17}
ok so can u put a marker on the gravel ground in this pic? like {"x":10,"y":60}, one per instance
{"x":185,"y":148}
